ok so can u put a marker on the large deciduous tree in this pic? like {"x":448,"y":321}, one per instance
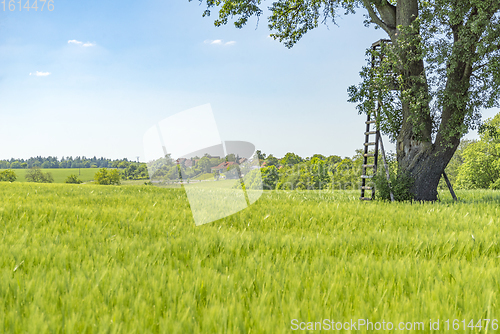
{"x":441,"y":67}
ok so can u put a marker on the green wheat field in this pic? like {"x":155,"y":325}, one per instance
{"x":129,"y":259}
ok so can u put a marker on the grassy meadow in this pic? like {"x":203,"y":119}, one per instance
{"x":60,"y":174}
{"x":129,"y":259}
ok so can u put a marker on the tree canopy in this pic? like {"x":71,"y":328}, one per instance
{"x":439,"y":69}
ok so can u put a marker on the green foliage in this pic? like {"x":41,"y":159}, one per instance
{"x":400,"y":184}
{"x":8,"y":175}
{"x":232,"y":172}
{"x":333,"y":159}
{"x":15,"y":165}
{"x":481,"y":167}
{"x":135,"y":171}
{"x":231,"y":157}
{"x":167,"y":170}
{"x":314,"y":174}
{"x":270,"y":177}
{"x":36,"y":175}
{"x":379,"y":84}
{"x":290,"y":159}
{"x":73,"y":179}
{"x":107,"y":177}
{"x":260,"y":155}
{"x":64,"y":162}
{"x":271,"y":161}
{"x":455,"y":164}
{"x":204,"y":165}
{"x":289,"y":20}
{"x":253,"y":180}
{"x":347,"y":174}
{"x":495,"y":185}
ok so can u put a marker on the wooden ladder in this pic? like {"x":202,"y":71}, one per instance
{"x":366,"y":166}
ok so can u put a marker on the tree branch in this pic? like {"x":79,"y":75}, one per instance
{"x":387,"y":13}
{"x":478,"y":67}
{"x":388,"y":29}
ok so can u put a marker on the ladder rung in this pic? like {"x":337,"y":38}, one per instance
{"x":371,"y":133}
{"x":371,"y":122}
{"x":370,"y":144}
{"x":369,"y":155}
{"x":366,"y":176}
{"x":366,"y":188}
{"x":365,"y":198}
{"x":369,"y":166}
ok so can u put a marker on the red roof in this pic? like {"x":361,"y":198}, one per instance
{"x":225,"y":164}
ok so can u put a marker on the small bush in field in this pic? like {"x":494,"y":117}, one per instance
{"x":8,"y":175}
{"x":73,"y":179}
{"x":36,"y":175}
{"x":107,"y":177}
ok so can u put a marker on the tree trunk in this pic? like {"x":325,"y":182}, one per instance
{"x":426,"y":168}
{"x":418,"y":156}
{"x":415,"y":150}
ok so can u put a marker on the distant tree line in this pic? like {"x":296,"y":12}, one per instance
{"x":64,"y":162}
{"x":317,"y":172}
{"x":168,"y":169}
{"x":129,"y":170}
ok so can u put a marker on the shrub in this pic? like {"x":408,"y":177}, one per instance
{"x":270,"y":177}
{"x":107,"y":177}
{"x":36,"y":175}
{"x":8,"y":175}
{"x":400,"y":184}
{"x":495,"y":185}
{"x":73,"y":179}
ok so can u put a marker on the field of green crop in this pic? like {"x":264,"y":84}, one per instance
{"x":206,"y":176}
{"x":129,"y":259}
{"x":60,"y":174}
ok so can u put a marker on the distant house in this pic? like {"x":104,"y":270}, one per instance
{"x":186,"y":162}
{"x":222,"y":167}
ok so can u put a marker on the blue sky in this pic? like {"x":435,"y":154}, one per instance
{"x":131,"y":64}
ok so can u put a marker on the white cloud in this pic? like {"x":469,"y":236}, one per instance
{"x":40,"y":74}
{"x":219,"y":42}
{"x":85,"y":45}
